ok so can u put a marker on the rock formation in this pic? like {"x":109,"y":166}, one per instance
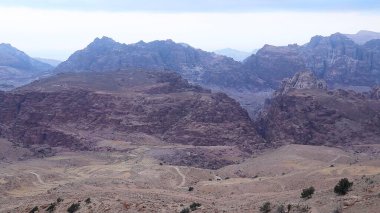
{"x":301,"y":80}
{"x":336,"y":59}
{"x":195,"y":65}
{"x":17,"y":68}
{"x":314,"y":116}
{"x":76,"y":110}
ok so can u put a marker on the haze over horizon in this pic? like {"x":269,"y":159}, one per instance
{"x":56,"y":30}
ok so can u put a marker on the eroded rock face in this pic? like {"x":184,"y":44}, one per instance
{"x":320,"y":117}
{"x":301,"y":80}
{"x":17,"y":68}
{"x":195,"y":65}
{"x":375,"y":93}
{"x":336,"y":59}
{"x":76,"y":110}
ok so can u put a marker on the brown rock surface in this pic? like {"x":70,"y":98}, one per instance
{"x":76,"y":110}
{"x":320,"y":117}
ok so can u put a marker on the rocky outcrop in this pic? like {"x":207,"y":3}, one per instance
{"x":76,"y":110}
{"x":17,"y":68}
{"x":195,"y":65}
{"x":375,"y":93}
{"x":319,"y":117}
{"x":336,"y":59}
{"x":363,"y":36}
{"x":301,"y":80}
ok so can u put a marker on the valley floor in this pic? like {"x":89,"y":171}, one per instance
{"x":132,"y":180}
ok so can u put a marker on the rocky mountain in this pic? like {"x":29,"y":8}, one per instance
{"x":17,"y":68}
{"x":336,"y":59}
{"x":363,"y":36}
{"x":195,"y":65}
{"x":304,"y":112}
{"x":51,"y":62}
{"x":237,"y":55}
{"x":77,"y":110}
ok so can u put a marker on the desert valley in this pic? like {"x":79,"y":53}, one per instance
{"x":165,"y":127}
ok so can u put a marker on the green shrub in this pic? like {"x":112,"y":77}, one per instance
{"x":265,"y":208}
{"x":185,"y":210}
{"x":194,"y":206}
{"x":73,"y":208}
{"x":51,"y":207}
{"x":34,"y":209}
{"x":343,"y":186}
{"x":88,"y":201}
{"x":280,"y":209}
{"x":308,"y":192}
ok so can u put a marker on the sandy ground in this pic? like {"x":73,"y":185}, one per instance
{"x":133,"y":181}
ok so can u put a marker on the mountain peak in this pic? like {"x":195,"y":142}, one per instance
{"x":363,"y":36}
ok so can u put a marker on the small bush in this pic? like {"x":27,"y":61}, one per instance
{"x":88,"y":201}
{"x":34,"y":209}
{"x":73,"y":208}
{"x":280,"y":209}
{"x":337,"y":210}
{"x":185,"y":210}
{"x":194,"y":206}
{"x":343,"y":186}
{"x":51,"y":207}
{"x":289,"y":207}
{"x":308,"y":192}
{"x":59,"y":200}
{"x":191,"y":189}
{"x":265,"y":208}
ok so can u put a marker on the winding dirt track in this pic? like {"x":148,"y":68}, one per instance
{"x":183,"y":181}
{"x":38,"y":178}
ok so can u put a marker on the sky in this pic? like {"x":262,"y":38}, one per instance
{"x":57,"y":28}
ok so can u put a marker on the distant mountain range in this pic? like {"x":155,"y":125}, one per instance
{"x":17,"y":68}
{"x":51,"y":62}
{"x":363,"y":36}
{"x":195,"y":65}
{"x":237,"y":55}
{"x":337,"y":59}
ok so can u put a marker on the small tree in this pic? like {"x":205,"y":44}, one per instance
{"x":194,"y":206}
{"x":280,"y":209}
{"x":343,"y":186}
{"x":34,"y":209}
{"x":88,"y":201}
{"x":185,"y":210}
{"x":73,"y":208}
{"x":308,"y":192}
{"x":51,"y":207}
{"x":265,"y":208}
{"x":191,"y":189}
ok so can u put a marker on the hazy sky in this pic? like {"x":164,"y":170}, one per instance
{"x":56,"y":28}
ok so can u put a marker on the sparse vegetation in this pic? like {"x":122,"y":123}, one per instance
{"x":185,"y":210}
{"x":343,"y":186}
{"x":59,"y":200}
{"x":191,"y":189}
{"x":88,"y":201}
{"x":280,"y":209}
{"x":73,"y":208}
{"x":194,"y":206}
{"x":51,"y":207}
{"x":337,"y":210}
{"x":34,"y":209}
{"x":308,"y":192}
{"x":265,"y":208}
